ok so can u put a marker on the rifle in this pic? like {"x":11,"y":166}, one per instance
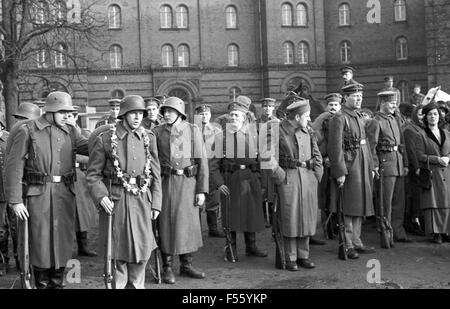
{"x":280,"y":256}
{"x":24,"y":253}
{"x":342,"y":250}
{"x":227,"y":231}
{"x":108,"y":276}
{"x":385,"y":226}
{"x":157,"y":271}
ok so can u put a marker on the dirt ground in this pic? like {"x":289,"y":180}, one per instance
{"x":415,"y":265}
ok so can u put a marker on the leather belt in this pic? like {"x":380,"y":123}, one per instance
{"x":177,"y":172}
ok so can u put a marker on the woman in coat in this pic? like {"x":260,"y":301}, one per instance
{"x":433,"y":150}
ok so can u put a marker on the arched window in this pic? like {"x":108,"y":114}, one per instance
{"x":182,"y":17}
{"x":117,"y":94}
{"x":288,"y":53}
{"x":303,"y":53}
{"x":302,"y":15}
{"x":231,"y":17}
{"x":42,"y":58}
{"x":233,"y":55}
{"x":165,"y":16}
{"x":60,"y":55}
{"x":61,"y":11}
{"x":344,"y":15}
{"x":234,"y":93}
{"x":404,"y":91}
{"x":399,"y":10}
{"x":183,"y":55}
{"x":115,"y":57}
{"x":346,"y":52}
{"x":41,"y":11}
{"x":167,"y":56}
{"x":286,"y":14}
{"x":115,"y":17}
{"x":401,"y":48}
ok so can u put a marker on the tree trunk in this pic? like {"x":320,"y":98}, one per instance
{"x":10,"y":91}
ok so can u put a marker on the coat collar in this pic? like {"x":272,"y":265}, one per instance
{"x":385,"y":116}
{"x":122,"y":129}
{"x":290,"y":128}
{"x":351,"y":112}
{"x":42,"y":123}
{"x":434,"y":139}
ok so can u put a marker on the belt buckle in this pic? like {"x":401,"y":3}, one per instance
{"x":56,"y":179}
{"x":132,"y":181}
{"x":363,"y":142}
{"x":303,"y":164}
{"x":77,"y":164}
{"x":395,"y":148}
{"x":242,"y":167}
{"x":179,"y":172}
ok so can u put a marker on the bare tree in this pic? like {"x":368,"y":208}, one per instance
{"x":34,"y":31}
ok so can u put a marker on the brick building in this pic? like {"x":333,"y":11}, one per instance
{"x":211,"y":50}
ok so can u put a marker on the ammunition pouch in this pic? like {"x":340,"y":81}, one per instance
{"x":37,"y":178}
{"x":189,"y":171}
{"x":228,"y":167}
{"x":290,"y":163}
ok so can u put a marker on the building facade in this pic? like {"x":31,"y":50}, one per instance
{"x":209,"y":51}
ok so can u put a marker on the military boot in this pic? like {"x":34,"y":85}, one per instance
{"x":168,"y":275}
{"x":211,"y":219}
{"x":83,"y":249}
{"x":41,"y":277}
{"x":4,"y":260}
{"x":250,"y":246}
{"x":56,"y":278}
{"x":228,"y":257}
{"x":186,"y":268}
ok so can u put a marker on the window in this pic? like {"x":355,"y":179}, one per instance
{"x":404,"y":93}
{"x":42,"y":58}
{"x":114,"y":16}
{"x":117,"y":94}
{"x":115,"y":57}
{"x":233,"y":55}
{"x":167,"y":56}
{"x":302,"y":15}
{"x":41,"y":12}
{"x":346,"y":52}
{"x":401,"y":48}
{"x":234,"y":93}
{"x":288,"y":53}
{"x":400,"y":10}
{"x":182,"y":17}
{"x":303,"y":53}
{"x":60,"y":55}
{"x":231,"y":17}
{"x":165,"y":15}
{"x":60,"y":11}
{"x":183,"y":55}
{"x":344,"y":15}
{"x":286,"y":15}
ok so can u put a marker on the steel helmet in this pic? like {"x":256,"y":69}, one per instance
{"x":175,"y":103}
{"x":132,"y":103}
{"x":28,"y":110}
{"x":58,"y":101}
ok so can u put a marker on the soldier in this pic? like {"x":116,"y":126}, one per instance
{"x":417,"y":97}
{"x":85,"y":208}
{"x":154,"y":118}
{"x":250,"y":117}
{"x":212,"y":202}
{"x":114,"y":105}
{"x":184,"y":170}
{"x":267,"y":184}
{"x":237,"y":177}
{"x":389,"y":157}
{"x":351,"y":166}
{"x":321,"y":128}
{"x":124,"y":179}
{"x":347,"y":74}
{"x":389,"y":86}
{"x":43,"y":155}
{"x":27,"y":110}
{"x":4,"y":217}
{"x":297,"y":173}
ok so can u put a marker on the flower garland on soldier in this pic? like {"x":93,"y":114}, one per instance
{"x":147,"y":169}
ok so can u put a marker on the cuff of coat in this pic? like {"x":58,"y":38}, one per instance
{"x":279,"y":175}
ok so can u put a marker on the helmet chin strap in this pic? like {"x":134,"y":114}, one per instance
{"x":170,"y":124}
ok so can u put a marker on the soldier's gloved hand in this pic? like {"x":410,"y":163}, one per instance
{"x":20,"y":211}
{"x":107,"y":205}
{"x":199,"y":199}
{"x":340,"y":181}
{"x":376,"y":172}
{"x":406,"y":171}
{"x":224,"y":190}
{"x":444,"y":161}
{"x":155,"y":214}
